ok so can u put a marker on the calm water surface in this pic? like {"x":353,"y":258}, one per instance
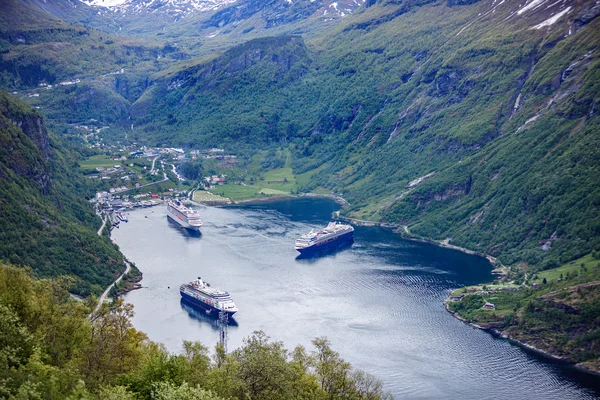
{"x":379,"y":301}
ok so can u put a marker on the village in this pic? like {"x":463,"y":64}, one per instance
{"x":128,"y":177}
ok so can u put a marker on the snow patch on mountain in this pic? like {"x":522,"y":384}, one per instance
{"x":179,"y":7}
{"x":531,"y":6}
{"x":339,"y":8}
{"x":104,"y":3}
{"x":553,"y":19}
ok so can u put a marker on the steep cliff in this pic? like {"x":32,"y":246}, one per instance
{"x":46,"y":222}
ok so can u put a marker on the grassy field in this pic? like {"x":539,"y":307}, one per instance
{"x":206,"y":196}
{"x":275,"y":182}
{"x":572,"y":268}
{"x":272,"y":192}
{"x":304,"y":178}
{"x":246,"y":192}
{"x":236,"y":192}
{"x":98,"y":161}
{"x":281,"y":179}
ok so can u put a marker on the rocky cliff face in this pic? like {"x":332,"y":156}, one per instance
{"x":46,"y":222}
{"x":24,"y":159}
{"x":261,"y":63}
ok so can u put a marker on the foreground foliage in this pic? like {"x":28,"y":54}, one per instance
{"x":51,"y":348}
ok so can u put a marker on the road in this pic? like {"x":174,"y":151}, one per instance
{"x":153,"y":162}
{"x":102,"y":227}
{"x":146,"y":185}
{"x":105,"y":294}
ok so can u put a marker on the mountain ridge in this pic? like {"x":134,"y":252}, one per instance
{"x":403,"y":107}
{"x":353,"y":127}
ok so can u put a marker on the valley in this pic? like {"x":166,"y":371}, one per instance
{"x":470,"y":124}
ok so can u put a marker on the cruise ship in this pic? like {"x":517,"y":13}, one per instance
{"x":183,"y":215}
{"x":211,"y":299}
{"x":334,"y":235}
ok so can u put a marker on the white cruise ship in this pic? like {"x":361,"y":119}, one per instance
{"x":334,"y":235}
{"x":211,"y":299}
{"x":184,"y":216}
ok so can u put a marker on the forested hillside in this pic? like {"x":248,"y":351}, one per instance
{"x":50,"y":348}
{"x":474,"y":122}
{"x":46,"y":222}
{"x":493,"y":105}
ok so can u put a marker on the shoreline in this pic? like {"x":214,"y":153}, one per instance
{"x":403,"y":231}
{"x":499,"y":269}
{"x":104,"y":295}
{"x":260,"y":200}
{"x":524,"y":345}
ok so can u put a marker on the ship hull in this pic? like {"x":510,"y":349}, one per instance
{"x":207,"y":307}
{"x":338,"y":242}
{"x":181,"y":223}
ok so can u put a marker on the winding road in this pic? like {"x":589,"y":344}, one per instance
{"x":153,"y":162}
{"x":105,"y":294}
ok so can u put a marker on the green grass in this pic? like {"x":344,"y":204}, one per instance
{"x":203,"y":195}
{"x":98,"y":161}
{"x":236,"y":192}
{"x":304,"y":178}
{"x":245,"y":192}
{"x":281,"y":179}
{"x":275,"y":192}
{"x":574,"y":267}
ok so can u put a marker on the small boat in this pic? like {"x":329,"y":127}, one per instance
{"x":122,"y":217}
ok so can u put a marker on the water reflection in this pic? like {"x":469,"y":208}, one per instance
{"x":328,"y":251}
{"x":379,"y":301}
{"x":200,"y":315}
{"x":183,"y":231}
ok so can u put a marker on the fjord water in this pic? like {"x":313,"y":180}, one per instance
{"x":379,"y":302}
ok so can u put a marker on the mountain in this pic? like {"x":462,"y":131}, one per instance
{"x":46,"y":222}
{"x":473,"y":123}
{"x":208,"y":25}
{"x":172,"y":8}
{"x":278,"y":12}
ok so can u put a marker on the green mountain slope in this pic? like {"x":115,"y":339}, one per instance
{"x":468,"y":121}
{"x":557,"y":314}
{"x":46,"y":222}
{"x":492,"y":105}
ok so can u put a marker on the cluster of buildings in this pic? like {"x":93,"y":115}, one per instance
{"x":218,"y":154}
{"x":215,"y":180}
{"x":108,"y":173}
{"x":152,"y":152}
{"x":107,"y":201}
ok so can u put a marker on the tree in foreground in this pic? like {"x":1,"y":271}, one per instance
{"x":52,"y":348}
